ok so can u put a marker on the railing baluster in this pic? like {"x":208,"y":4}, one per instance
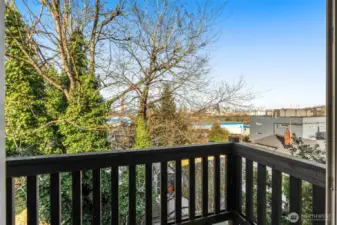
{"x":318,"y":205}
{"x":132,"y":195}
{"x":32,"y":200}
{"x":249,"y":190}
{"x":276,"y":197}
{"x":295,"y":195}
{"x":238,"y":183}
{"x":217,"y":197}
{"x":234,"y":180}
{"x":204,"y":186}
{"x":148,"y":190}
{"x":55,"y":199}
{"x":191,"y":207}
{"x":96,"y":182}
{"x":163,"y":193}
{"x":114,"y":196}
{"x":230,"y":190}
{"x":10,"y":201}
{"x":261,"y":195}
{"x":77,"y":197}
{"x":178,"y":191}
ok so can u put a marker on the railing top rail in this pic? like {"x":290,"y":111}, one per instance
{"x":35,"y":165}
{"x":306,"y":170}
{"x":303,"y":169}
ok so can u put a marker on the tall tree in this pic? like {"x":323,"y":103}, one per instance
{"x":80,"y":122}
{"x":65,"y":37}
{"x":42,"y":120}
{"x":167,"y":107}
{"x":167,"y":126}
{"x":25,"y":112}
{"x":83,"y":122}
{"x":166,"y":47}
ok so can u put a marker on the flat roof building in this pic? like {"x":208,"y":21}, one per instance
{"x":303,"y":127}
{"x":269,"y":131}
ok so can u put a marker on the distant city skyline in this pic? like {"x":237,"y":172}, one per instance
{"x":278,"y":46}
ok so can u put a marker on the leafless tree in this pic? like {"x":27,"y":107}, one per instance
{"x":168,"y":46}
{"x":138,"y":46}
{"x":49,"y":31}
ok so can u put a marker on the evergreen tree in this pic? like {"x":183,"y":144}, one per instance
{"x":82,"y":126}
{"x":167,"y":104}
{"x":40,"y":119}
{"x":217,"y":134}
{"x":167,"y":126}
{"x":25,"y":113}
{"x":80,"y":129}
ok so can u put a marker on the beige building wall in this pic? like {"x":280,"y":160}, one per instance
{"x":293,"y":113}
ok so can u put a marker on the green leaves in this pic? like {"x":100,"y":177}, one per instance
{"x":40,"y":120}
{"x":217,"y":134}
{"x":143,"y":139}
{"x":25,"y":112}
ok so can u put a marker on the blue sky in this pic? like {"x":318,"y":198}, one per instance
{"x":278,"y":46}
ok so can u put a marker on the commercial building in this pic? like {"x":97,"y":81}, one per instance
{"x":317,"y":111}
{"x":312,"y":128}
{"x":271,"y":131}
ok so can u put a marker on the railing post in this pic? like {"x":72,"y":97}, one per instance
{"x":234,"y":176}
{"x":331,"y":103}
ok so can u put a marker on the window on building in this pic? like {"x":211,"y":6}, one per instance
{"x":281,"y":126}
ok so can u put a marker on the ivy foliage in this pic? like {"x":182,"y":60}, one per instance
{"x":25,"y":111}
{"x":83,"y":120}
{"x":40,"y":120}
{"x":80,"y":127}
{"x":142,"y":139}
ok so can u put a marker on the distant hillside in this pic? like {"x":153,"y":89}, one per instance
{"x":213,"y":119}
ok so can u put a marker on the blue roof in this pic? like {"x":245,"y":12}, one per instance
{"x":231,"y":123}
{"x":246,"y":126}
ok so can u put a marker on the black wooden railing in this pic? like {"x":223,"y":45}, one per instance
{"x":32,"y":167}
{"x":298,"y":170}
